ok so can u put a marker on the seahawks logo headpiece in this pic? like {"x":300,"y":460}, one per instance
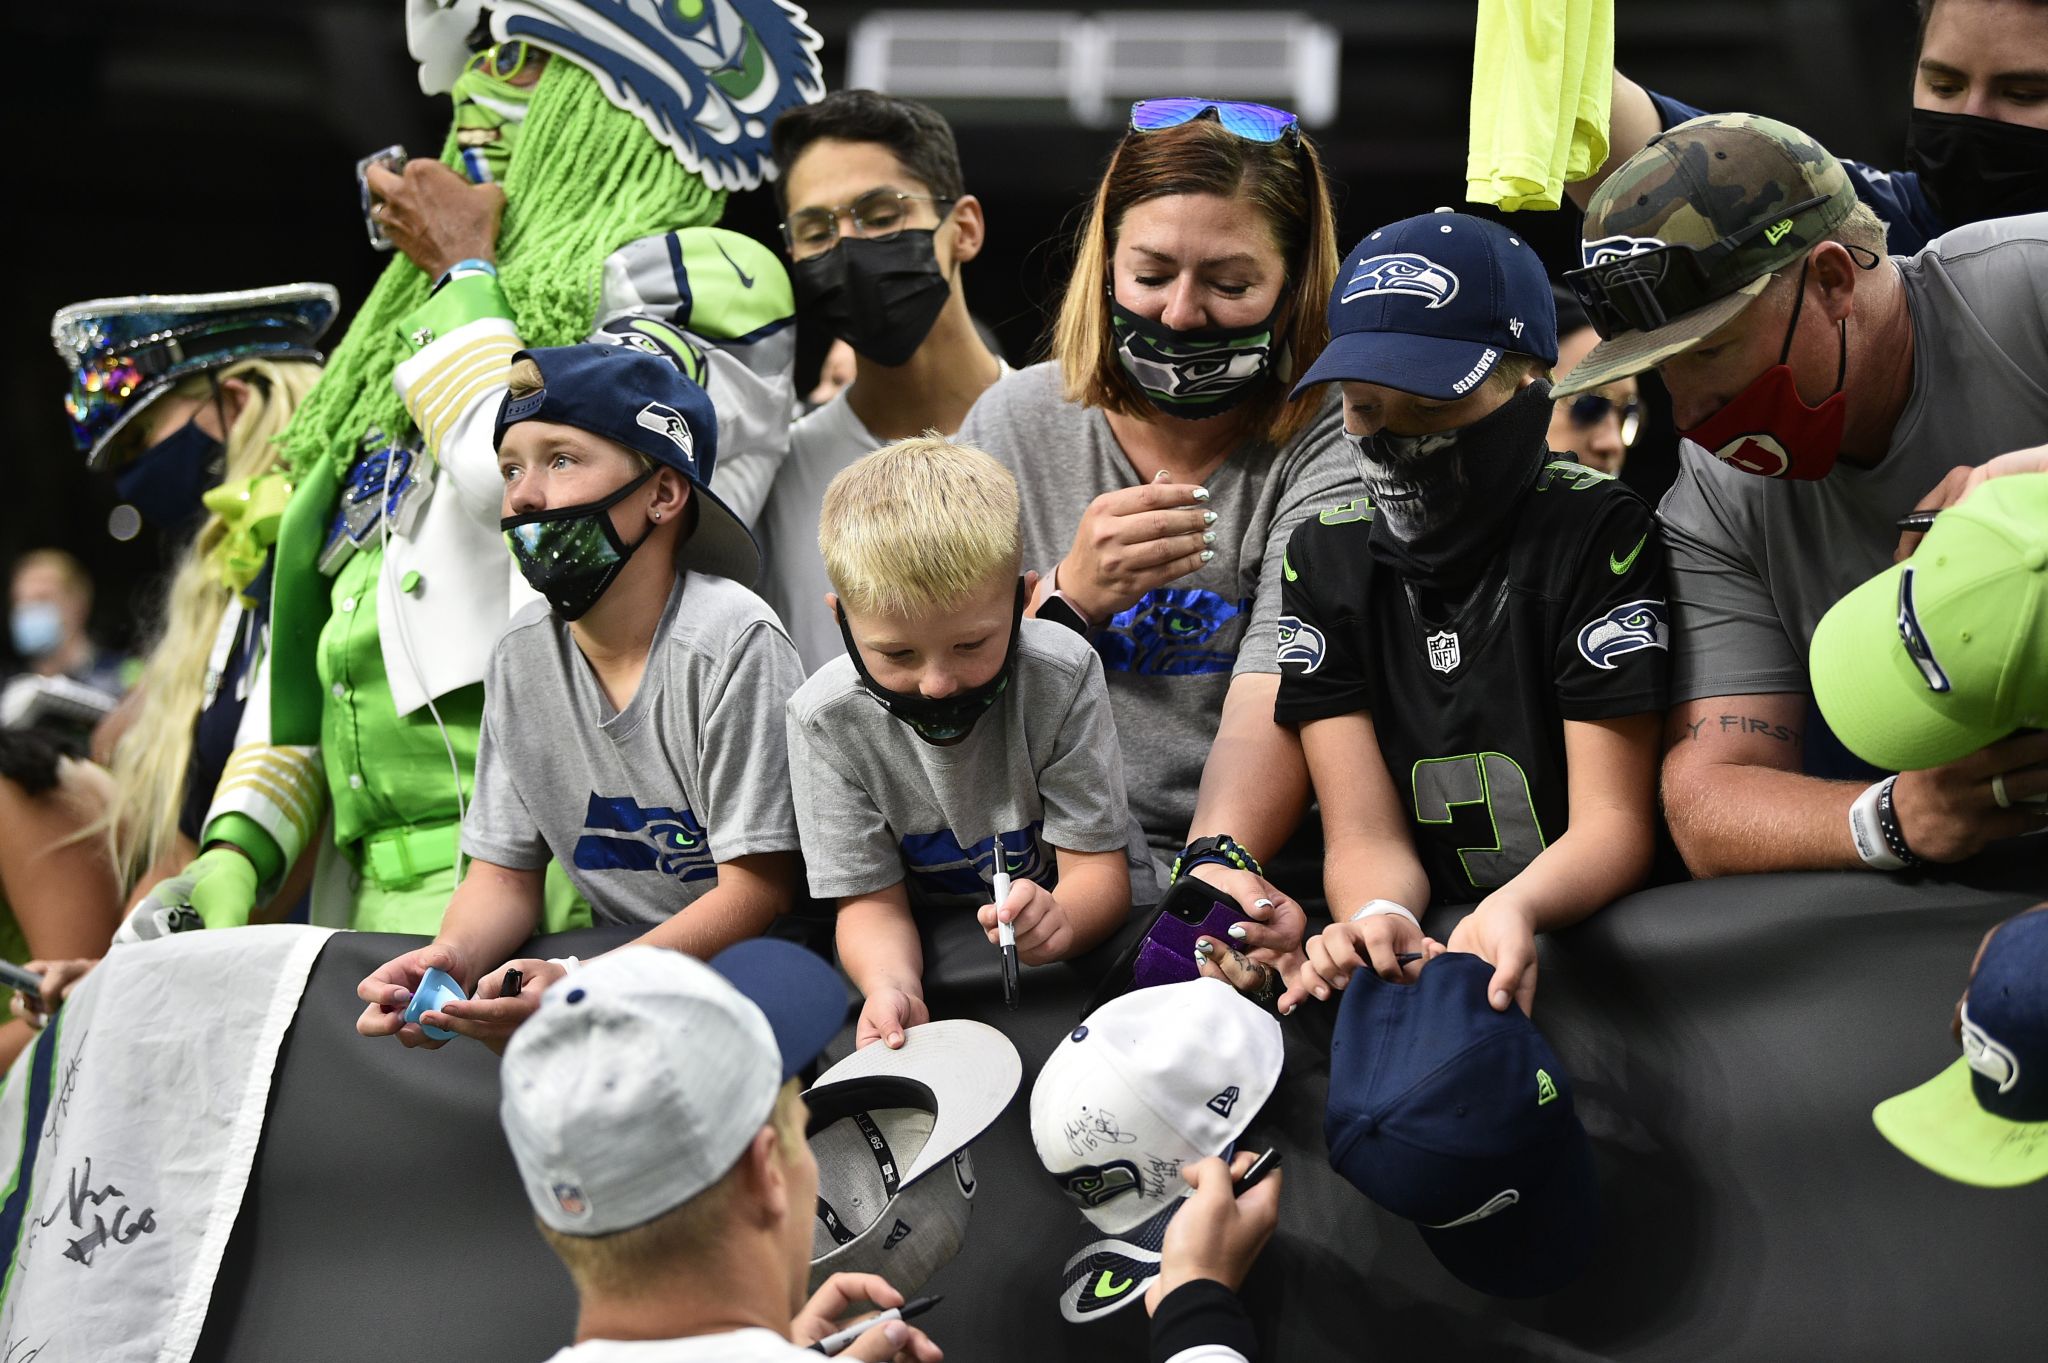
{"x":707,"y":77}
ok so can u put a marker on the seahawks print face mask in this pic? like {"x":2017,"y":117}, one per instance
{"x":1193,"y":374}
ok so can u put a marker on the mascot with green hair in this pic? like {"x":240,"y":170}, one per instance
{"x":593,"y":145}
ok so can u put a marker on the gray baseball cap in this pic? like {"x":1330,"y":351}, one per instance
{"x":890,"y":1130}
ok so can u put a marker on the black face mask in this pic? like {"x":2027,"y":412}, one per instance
{"x":948,"y":720}
{"x":164,"y":482}
{"x":1440,"y":500}
{"x":1977,"y":168}
{"x":880,"y":297}
{"x":571,"y":554}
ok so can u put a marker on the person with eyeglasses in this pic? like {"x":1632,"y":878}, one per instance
{"x":1597,"y":429}
{"x":1824,"y":390}
{"x":1163,"y":467}
{"x":878,"y":223}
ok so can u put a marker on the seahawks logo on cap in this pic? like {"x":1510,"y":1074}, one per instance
{"x":667,"y":422}
{"x":1402,"y":272}
{"x":1626,"y":629}
{"x":1301,"y":644}
{"x":1915,"y":638}
{"x":1091,"y":1185}
{"x":1987,"y":1057}
{"x":1605,"y":249}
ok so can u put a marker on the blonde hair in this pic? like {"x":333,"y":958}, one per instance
{"x":69,"y":570}
{"x":523,"y":378}
{"x":1287,"y":185}
{"x":918,"y":525}
{"x":151,"y":759}
{"x":619,"y":1264}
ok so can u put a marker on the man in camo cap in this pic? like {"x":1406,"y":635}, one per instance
{"x":1732,"y":256}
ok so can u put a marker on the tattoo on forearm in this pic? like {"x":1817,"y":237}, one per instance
{"x":1740,"y":724}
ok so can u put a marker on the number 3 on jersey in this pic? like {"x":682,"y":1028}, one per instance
{"x":1496,"y":781}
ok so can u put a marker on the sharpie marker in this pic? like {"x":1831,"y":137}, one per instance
{"x":1262,"y":1166}
{"x":833,"y":1345}
{"x":1006,"y":933}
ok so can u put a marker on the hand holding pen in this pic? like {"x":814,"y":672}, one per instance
{"x":1006,"y":931}
{"x":891,"y":1336}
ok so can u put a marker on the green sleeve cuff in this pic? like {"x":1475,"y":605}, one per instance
{"x":470,"y":298}
{"x":249,"y":838}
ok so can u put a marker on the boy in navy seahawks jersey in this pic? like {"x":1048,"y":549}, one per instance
{"x":1476,"y":653}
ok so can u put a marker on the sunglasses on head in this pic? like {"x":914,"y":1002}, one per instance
{"x":1645,"y":290}
{"x":1590,"y":409}
{"x":1252,"y":122}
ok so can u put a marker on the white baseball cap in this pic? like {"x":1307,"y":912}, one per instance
{"x":645,"y":1074}
{"x":890,"y":1130}
{"x":1150,"y":1081}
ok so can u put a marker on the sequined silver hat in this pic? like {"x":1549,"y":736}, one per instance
{"x":125,"y":353}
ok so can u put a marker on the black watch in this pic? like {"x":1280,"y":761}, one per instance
{"x":1218,"y":847}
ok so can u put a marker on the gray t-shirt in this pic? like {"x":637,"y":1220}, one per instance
{"x":877,"y":804}
{"x":1755,"y":562}
{"x":1169,"y":658}
{"x":641,"y":804}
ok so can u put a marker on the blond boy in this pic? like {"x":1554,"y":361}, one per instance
{"x":952,"y":721}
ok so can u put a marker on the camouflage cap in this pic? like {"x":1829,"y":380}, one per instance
{"x":1693,"y":185}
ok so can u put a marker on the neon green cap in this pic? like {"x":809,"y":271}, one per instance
{"x":1935,"y":657}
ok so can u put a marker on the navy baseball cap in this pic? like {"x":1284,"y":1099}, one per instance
{"x":1984,"y":1119}
{"x":1428,"y":305}
{"x":1460,"y":1119}
{"x":642,"y":401}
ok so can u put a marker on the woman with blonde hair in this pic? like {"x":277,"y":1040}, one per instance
{"x":1163,"y":466}
{"x":182,"y":398}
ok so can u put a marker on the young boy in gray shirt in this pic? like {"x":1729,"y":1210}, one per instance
{"x":632,"y":721}
{"x":952,"y":723}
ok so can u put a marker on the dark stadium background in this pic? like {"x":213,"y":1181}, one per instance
{"x":210,"y":144}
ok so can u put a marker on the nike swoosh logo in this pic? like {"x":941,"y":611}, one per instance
{"x":746,"y":280}
{"x":1621,"y":565}
{"x":1287,"y":569}
{"x":1104,"y":1290}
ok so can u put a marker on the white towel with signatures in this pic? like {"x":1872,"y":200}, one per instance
{"x":127,"y":1134}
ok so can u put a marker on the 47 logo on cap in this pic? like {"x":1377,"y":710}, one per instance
{"x":1402,"y":272}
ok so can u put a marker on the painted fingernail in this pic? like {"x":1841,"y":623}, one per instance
{"x":1201,"y":494}
{"x":1208,"y":518}
{"x":1236,"y":930}
{"x":1262,"y":903}
{"x":1203,"y":946}
{"x":1208,"y":554}
{"x":1208,"y":537}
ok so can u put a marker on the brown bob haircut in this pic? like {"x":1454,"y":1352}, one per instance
{"x":1203,"y":157}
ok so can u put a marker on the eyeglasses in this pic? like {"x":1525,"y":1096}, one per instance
{"x":504,"y":60}
{"x":1642,"y":292}
{"x":1590,"y":409}
{"x":877,"y":215}
{"x":1253,"y":122}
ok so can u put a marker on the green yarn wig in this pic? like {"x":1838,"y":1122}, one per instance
{"x":585,"y":178}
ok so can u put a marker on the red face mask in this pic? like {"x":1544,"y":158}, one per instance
{"x":1768,"y":429}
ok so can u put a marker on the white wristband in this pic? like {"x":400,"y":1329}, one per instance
{"x":1379,"y":906}
{"x":568,"y":963}
{"x":1865,"y":832}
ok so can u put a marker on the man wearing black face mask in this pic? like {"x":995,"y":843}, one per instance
{"x":1825,"y":391}
{"x":1477,"y":651}
{"x":878,"y":222}
{"x":1976,"y":140}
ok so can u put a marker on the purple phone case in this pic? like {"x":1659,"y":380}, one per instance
{"x":1168,"y":956}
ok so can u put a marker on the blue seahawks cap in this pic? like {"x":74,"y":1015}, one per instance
{"x":1460,"y":1119}
{"x":642,"y":401}
{"x":1428,"y":305}
{"x":1984,"y":1119}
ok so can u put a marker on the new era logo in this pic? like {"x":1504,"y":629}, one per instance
{"x":1223,"y":1102}
{"x":1546,"y":1088}
{"x":896,"y":1234}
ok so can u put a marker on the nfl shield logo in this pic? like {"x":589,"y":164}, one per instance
{"x":569,"y":1197}
{"x":1443,"y":651}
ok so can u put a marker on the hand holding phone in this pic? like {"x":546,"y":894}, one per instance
{"x":393,"y":159}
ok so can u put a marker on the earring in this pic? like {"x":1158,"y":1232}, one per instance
{"x":654,"y":515}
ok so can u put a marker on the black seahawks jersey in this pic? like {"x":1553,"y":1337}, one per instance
{"x":1469,"y":696}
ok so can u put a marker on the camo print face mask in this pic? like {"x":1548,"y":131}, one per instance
{"x":1198,"y":373}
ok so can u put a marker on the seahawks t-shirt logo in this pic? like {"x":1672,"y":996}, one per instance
{"x":620,"y":834}
{"x":1301,"y":645}
{"x":1626,"y":629}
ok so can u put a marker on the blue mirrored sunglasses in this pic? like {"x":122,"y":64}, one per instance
{"x":1253,"y":122}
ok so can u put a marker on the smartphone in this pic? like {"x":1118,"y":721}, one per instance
{"x":393,"y":159}
{"x":23,"y":981}
{"x":1262,"y":1166}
